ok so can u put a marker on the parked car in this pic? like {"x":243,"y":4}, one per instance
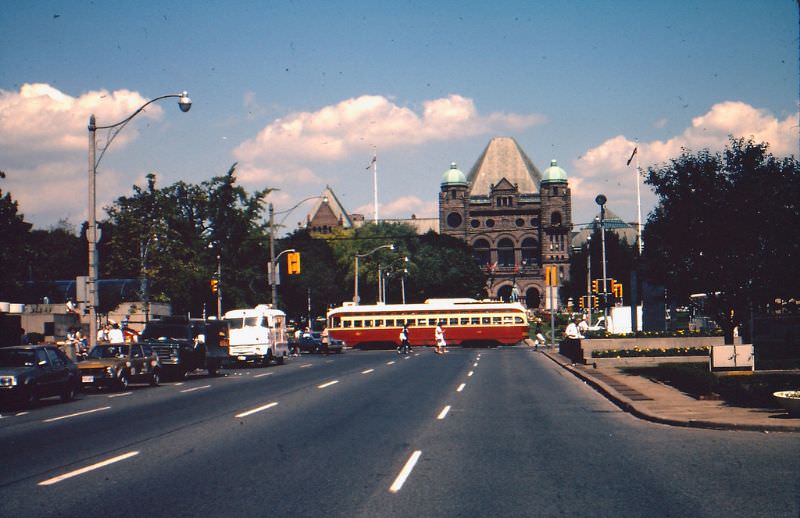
{"x":117,"y":365}
{"x":31,"y":372}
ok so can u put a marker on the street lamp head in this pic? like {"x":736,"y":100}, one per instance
{"x":600,"y":199}
{"x":184,"y":102}
{"x":391,"y":247}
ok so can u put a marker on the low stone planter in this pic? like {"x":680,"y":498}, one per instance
{"x":644,"y":361}
{"x":790,"y":400}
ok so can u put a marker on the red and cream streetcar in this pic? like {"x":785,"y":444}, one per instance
{"x":465,"y":322}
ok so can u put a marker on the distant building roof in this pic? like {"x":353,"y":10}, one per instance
{"x":454,"y":177}
{"x":422,"y":225}
{"x":503,"y":158}
{"x":328,"y":212}
{"x":554,"y":174}
{"x":613,"y":223}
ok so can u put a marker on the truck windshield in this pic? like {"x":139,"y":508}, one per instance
{"x":154,"y":332}
{"x":235,"y":323}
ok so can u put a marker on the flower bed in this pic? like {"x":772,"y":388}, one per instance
{"x":637,"y":352}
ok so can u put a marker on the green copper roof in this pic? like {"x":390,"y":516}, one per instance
{"x":554,"y":174}
{"x":454,"y":176}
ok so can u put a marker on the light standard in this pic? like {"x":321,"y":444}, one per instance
{"x":601,"y":200}
{"x":403,"y":278}
{"x":271,"y":272}
{"x":589,"y":278}
{"x":355,"y":276}
{"x":144,"y":281}
{"x":91,"y":231}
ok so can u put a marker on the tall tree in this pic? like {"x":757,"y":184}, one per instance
{"x":15,"y":238}
{"x":727,"y":225}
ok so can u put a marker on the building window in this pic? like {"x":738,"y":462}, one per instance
{"x":454,"y":220}
{"x":555,"y":218}
{"x":490,"y":223}
{"x":505,"y":252}
{"x":475,"y":223}
{"x":534,"y":222}
{"x":520,"y":222}
{"x":481,"y":251}
{"x":530,"y":251}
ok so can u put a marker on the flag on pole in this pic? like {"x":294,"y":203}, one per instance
{"x":632,"y":155}
{"x":374,"y":159}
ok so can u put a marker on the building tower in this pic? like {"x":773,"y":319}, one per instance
{"x":453,"y":202}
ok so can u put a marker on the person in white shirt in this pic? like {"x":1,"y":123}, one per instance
{"x":572,"y":331}
{"x":115,"y":336}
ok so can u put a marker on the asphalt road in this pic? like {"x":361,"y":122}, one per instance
{"x":498,"y":432}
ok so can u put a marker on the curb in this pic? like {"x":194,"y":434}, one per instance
{"x":629,"y":407}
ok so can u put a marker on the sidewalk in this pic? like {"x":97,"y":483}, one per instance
{"x":663,"y":404}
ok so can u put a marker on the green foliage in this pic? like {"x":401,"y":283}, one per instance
{"x":651,"y":352}
{"x":728,"y":225}
{"x":15,"y":238}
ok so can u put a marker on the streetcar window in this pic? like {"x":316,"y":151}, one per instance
{"x":379,"y":323}
{"x":496,"y":320}
{"x":368,"y":323}
{"x":475,"y":321}
{"x":508,"y":319}
{"x":464,"y":321}
{"x":486,"y":320}
{"x":453,"y":321}
{"x":517,"y":320}
{"x":421,"y":322}
{"x":357,"y":323}
{"x":335,"y":322}
{"x":390,"y":322}
{"x":433,"y":321}
{"x":347,"y":323}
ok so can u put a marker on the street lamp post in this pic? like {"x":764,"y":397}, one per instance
{"x":144,"y":281}
{"x":589,"y":278}
{"x":403,"y":278}
{"x":601,"y":200}
{"x":355,"y":276}
{"x":271,"y":273}
{"x":91,"y":231}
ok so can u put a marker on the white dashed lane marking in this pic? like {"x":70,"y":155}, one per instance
{"x":120,"y":394}
{"x":87,"y":469}
{"x":367,"y":371}
{"x":76,"y":414}
{"x":263,"y":374}
{"x":405,"y":472}
{"x":196,"y":388}
{"x":258,"y":409}
{"x":461,"y":387}
{"x":328,"y":384}
{"x":443,"y":413}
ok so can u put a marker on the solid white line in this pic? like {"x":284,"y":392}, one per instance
{"x":367,"y":371}
{"x":306,"y":365}
{"x":264,"y":374}
{"x":405,"y":472}
{"x":81,"y":471}
{"x":389,"y":363}
{"x":259,"y":409}
{"x":120,"y":394}
{"x":328,"y":384}
{"x":461,"y":387}
{"x":178,"y":384}
{"x":75,"y":414}
{"x":470,"y":373}
{"x":195,"y":388}
{"x":21,"y":413}
{"x":443,"y":413}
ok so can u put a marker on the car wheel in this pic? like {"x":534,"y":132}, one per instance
{"x":282,"y":360}
{"x":31,"y":397}
{"x":122,"y":382}
{"x":212,"y":370}
{"x":155,"y":379}
{"x":69,"y":392}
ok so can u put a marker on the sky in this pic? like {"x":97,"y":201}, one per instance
{"x":301,"y":94}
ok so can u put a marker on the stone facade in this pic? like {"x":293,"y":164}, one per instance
{"x":517,"y":220}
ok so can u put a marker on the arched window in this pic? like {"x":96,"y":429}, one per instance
{"x":530,"y":251}
{"x":532,"y":298}
{"x":555,"y":218}
{"x":481,"y":251}
{"x":504,"y":293}
{"x":505,"y":252}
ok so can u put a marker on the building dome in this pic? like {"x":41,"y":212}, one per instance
{"x":554,"y":174}
{"x":454,"y":177}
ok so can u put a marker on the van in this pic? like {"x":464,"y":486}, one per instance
{"x":257,"y":335}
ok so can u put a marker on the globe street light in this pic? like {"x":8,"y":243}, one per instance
{"x":271,"y":272}
{"x":355,"y":276}
{"x":601,"y":200}
{"x":184,"y":103}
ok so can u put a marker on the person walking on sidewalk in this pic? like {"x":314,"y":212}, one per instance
{"x":405,"y":347}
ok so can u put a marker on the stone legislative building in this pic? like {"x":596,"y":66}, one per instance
{"x":517,"y":219}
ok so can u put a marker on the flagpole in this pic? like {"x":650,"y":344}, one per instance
{"x":375,"y":183}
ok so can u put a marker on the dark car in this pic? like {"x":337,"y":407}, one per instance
{"x":117,"y":365}
{"x":184,"y":345}
{"x":31,"y":372}
{"x":313,"y":343}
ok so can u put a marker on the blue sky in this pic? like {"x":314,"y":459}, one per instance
{"x":300,"y":93}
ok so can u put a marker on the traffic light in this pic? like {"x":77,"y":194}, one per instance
{"x":214,"y":285}
{"x":595,"y":302}
{"x":616,"y":288}
{"x":595,"y":285}
{"x":581,"y":300}
{"x":293,"y":263}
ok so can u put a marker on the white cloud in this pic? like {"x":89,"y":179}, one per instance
{"x":356,"y":125}
{"x":402,"y":207}
{"x":603,"y":169}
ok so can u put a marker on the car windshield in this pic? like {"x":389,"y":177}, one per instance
{"x":108,"y":351}
{"x":17,"y":358}
{"x":154,"y":332}
{"x":235,"y":323}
